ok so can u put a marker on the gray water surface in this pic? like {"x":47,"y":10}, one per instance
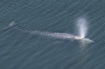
{"x":21,"y":50}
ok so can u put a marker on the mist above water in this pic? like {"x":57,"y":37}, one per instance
{"x":82,"y":26}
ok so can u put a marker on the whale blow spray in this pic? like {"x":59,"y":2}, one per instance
{"x":82,"y":27}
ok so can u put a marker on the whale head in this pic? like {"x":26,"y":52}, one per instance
{"x":83,"y":39}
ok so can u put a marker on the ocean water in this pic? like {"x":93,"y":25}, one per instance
{"x":22,"y":50}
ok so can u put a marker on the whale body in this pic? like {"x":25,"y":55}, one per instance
{"x":65,"y":36}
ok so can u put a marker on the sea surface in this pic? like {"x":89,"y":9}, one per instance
{"x":22,"y":50}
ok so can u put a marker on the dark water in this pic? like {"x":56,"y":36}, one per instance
{"x":20,"y":50}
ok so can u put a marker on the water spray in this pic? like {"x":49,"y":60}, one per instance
{"x":82,"y":26}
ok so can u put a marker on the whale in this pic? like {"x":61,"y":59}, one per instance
{"x":65,"y":36}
